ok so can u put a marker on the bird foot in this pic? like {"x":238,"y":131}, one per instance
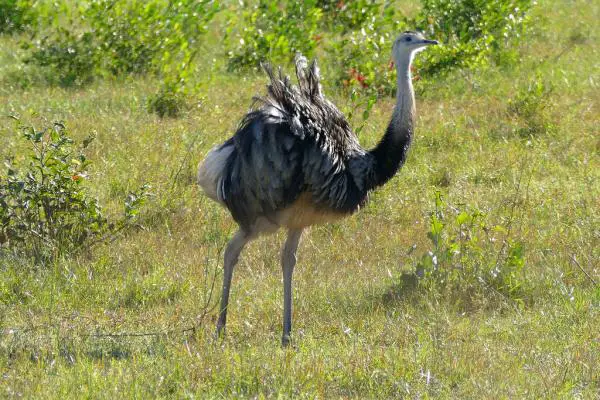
{"x":286,"y":341}
{"x":219,"y":333}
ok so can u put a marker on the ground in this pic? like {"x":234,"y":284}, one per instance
{"x":116,"y":320}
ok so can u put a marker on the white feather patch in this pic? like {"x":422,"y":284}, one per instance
{"x":210,"y":172}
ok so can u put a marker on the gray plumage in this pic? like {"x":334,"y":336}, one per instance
{"x":295,"y":142}
{"x":294,"y":161}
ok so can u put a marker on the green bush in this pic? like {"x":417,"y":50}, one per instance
{"x":45,"y":208}
{"x":169,"y":101}
{"x":16,"y":15}
{"x":469,"y":255}
{"x":137,"y":36}
{"x":344,"y":16}
{"x":71,"y":59}
{"x":274,"y":32}
{"x":530,"y":109}
{"x":356,"y":37}
{"x":362,"y":59}
{"x":471,"y":31}
{"x":472,"y":34}
{"x":125,"y":37}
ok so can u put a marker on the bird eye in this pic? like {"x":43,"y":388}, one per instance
{"x":408,"y":39}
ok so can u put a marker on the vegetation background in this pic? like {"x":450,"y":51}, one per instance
{"x":473,"y":274}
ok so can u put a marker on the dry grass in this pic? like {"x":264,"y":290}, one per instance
{"x":358,"y":332}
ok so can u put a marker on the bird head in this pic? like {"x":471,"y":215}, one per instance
{"x":407,"y":44}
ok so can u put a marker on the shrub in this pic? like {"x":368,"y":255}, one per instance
{"x":172,"y":96}
{"x":274,"y":32}
{"x":140,"y":36}
{"x":343,"y":16}
{"x":45,"y":208}
{"x":468,"y":255}
{"x":530,"y":109}
{"x":471,"y":31}
{"x":169,"y":101}
{"x":362,"y":59}
{"x":16,"y":15}
{"x":125,"y":37}
{"x":72,"y":59}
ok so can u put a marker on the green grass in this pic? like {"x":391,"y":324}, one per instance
{"x":358,"y":331}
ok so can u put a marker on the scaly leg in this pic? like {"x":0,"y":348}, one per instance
{"x":288,"y":261}
{"x":232,"y":253}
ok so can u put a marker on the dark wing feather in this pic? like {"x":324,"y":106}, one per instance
{"x":264,"y":172}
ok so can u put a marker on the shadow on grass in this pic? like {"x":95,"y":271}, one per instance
{"x":465,"y":297}
{"x":46,"y":346}
{"x":125,"y":348}
{"x":405,"y":290}
{"x":111,"y":352}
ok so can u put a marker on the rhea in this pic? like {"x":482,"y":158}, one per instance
{"x":295,"y":162}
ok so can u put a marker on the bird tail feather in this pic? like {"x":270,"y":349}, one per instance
{"x":211,"y":171}
{"x":309,"y":78}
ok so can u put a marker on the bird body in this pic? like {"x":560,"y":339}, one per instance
{"x":294,"y":162}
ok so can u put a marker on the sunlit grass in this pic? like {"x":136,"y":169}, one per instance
{"x":358,"y":331}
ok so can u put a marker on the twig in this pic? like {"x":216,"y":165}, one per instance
{"x":499,"y":293}
{"x":109,"y":236}
{"x":8,"y":331}
{"x":583,"y":270}
{"x":512,"y":213}
{"x":185,"y":158}
{"x":166,"y":332}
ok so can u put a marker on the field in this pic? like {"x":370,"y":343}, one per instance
{"x":513,"y":148}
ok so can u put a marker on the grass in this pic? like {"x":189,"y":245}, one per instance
{"x":114,"y":321}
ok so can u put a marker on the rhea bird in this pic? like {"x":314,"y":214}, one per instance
{"x":295,"y":162}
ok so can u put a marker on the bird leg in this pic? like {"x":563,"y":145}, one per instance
{"x":288,"y":261}
{"x":232,"y":253}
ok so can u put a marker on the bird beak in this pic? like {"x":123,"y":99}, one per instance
{"x":429,"y":42}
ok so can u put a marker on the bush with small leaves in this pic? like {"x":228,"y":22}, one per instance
{"x":16,"y":15}
{"x":530,"y":109}
{"x":362,"y":59}
{"x":344,"y":16}
{"x":468,"y":255}
{"x":140,"y":36}
{"x":169,"y":101}
{"x":70,"y":59}
{"x":45,"y":207}
{"x":274,"y":32}
{"x":125,"y":37}
{"x":472,"y":32}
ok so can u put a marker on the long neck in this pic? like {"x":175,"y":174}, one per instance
{"x":389,"y":155}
